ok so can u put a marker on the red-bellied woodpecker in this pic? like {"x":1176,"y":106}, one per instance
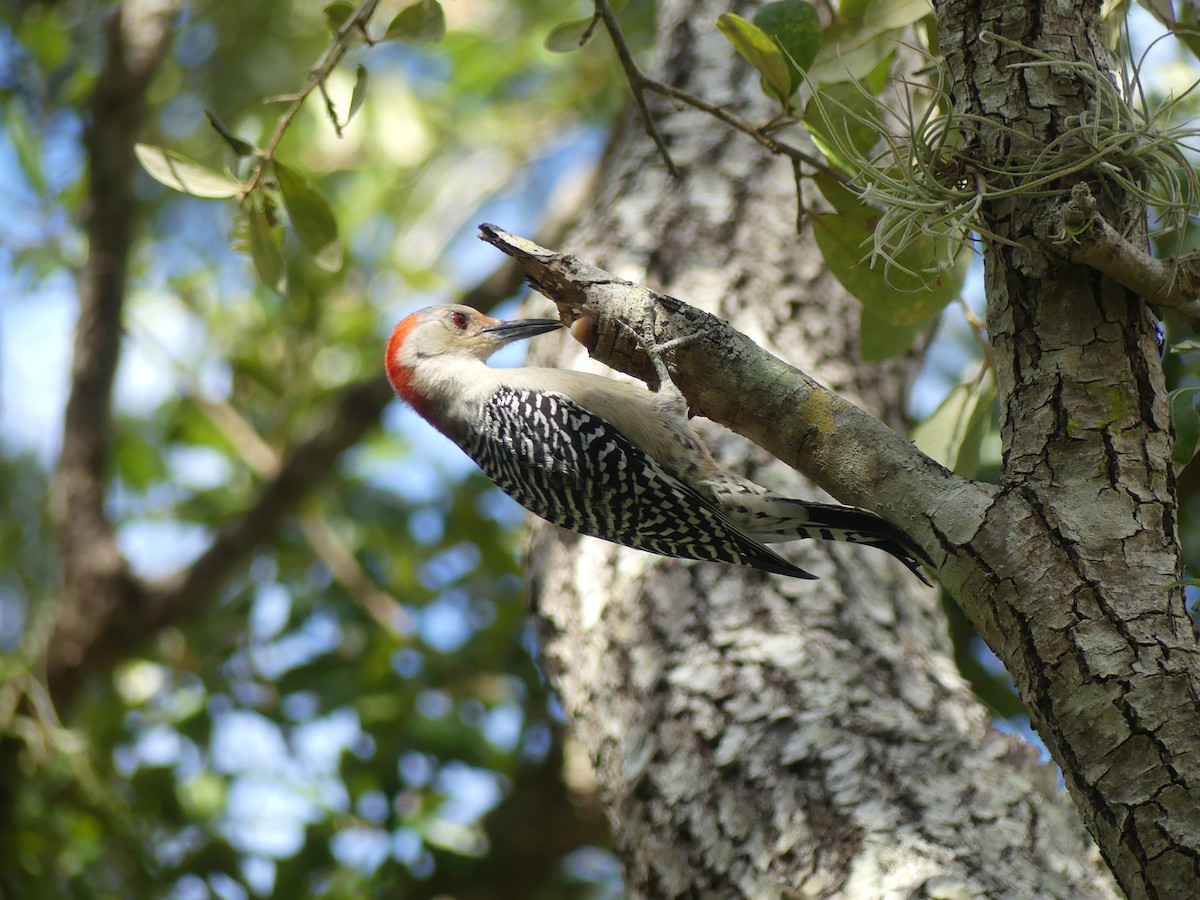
{"x":603,"y":457}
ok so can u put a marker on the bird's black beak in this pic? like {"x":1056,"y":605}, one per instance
{"x":507,"y":332}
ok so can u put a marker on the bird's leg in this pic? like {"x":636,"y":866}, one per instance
{"x":668,"y":395}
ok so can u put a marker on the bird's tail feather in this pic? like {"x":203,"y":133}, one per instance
{"x":770,"y":518}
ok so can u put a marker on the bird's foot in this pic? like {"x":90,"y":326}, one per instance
{"x":657,"y":351}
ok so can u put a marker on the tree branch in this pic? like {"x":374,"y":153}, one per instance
{"x":780,"y":148}
{"x":320,"y":535}
{"x":96,"y":579}
{"x":849,"y":453}
{"x":1086,"y":237}
{"x":1076,"y":587}
{"x":637,"y":81}
{"x":356,"y":22}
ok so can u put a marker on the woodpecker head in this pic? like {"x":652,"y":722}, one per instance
{"x":426,"y":346}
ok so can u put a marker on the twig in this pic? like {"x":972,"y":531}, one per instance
{"x":979,"y":332}
{"x":330,"y":109}
{"x":737,"y":122}
{"x":354,"y":409}
{"x":1086,"y":237}
{"x":376,"y":602}
{"x":637,"y":81}
{"x":316,"y":79}
{"x":267,"y":464}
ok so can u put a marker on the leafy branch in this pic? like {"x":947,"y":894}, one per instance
{"x":639,"y":83}
{"x":309,"y":212}
{"x":355,"y":23}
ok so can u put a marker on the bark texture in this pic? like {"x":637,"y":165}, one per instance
{"x":1069,"y":574}
{"x":755,"y":736}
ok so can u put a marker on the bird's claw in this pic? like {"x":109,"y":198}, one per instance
{"x":656,"y":351}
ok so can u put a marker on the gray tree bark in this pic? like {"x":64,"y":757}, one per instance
{"x":759,"y":737}
{"x":1069,"y":573}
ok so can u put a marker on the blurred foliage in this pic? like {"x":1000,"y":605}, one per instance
{"x":283,"y":744}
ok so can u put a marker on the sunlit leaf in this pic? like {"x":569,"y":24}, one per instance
{"x":954,"y":431}
{"x":863,"y":35}
{"x":796,"y":26}
{"x":311,"y":216}
{"x":265,"y":250}
{"x":421,"y":23}
{"x":202,"y":796}
{"x":236,"y":144}
{"x":760,"y":50}
{"x":360,"y":91}
{"x":180,"y":173}
{"x":570,"y":36}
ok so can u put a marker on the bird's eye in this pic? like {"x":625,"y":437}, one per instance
{"x":460,"y":320}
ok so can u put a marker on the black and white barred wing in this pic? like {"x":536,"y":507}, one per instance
{"x":572,"y":468}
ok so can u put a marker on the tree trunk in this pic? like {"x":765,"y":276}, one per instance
{"x":755,"y":736}
{"x":1071,"y":573}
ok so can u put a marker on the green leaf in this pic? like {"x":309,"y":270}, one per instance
{"x":880,"y":339}
{"x":359,"y":94}
{"x":570,"y":36}
{"x":236,"y":144}
{"x":760,"y":50}
{"x":202,"y":796}
{"x":1161,"y":10}
{"x":843,"y":120}
{"x":841,"y":197}
{"x":422,"y":23}
{"x":265,"y":250}
{"x":954,"y":431}
{"x":336,"y":15}
{"x":845,"y":238}
{"x":178,"y":172}
{"x":877,"y":79}
{"x":1186,"y":28}
{"x":1187,"y":424}
{"x":43,"y":33}
{"x":796,"y":27}
{"x":138,"y":460}
{"x":863,"y":35}
{"x":311,"y":216}
{"x":27,"y":142}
